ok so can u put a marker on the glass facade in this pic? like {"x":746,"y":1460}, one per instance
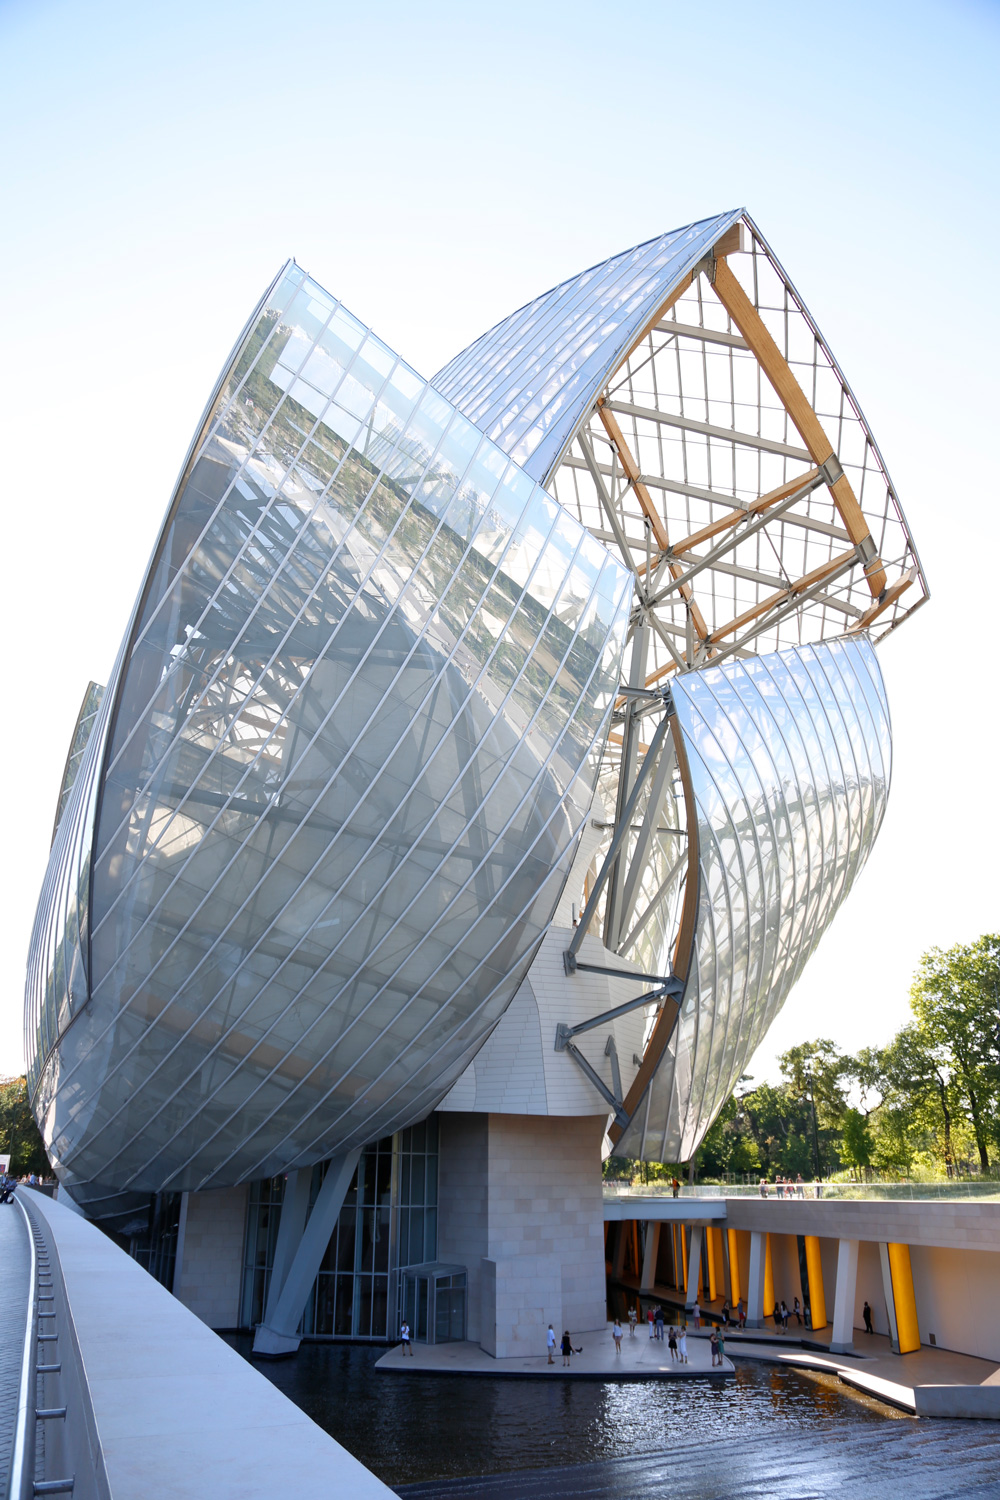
{"x":790,"y":760}
{"x":388,"y":1221}
{"x":335,"y":785}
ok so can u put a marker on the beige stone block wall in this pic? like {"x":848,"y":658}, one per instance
{"x":209,"y":1269}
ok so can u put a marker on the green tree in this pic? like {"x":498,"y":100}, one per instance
{"x":18,"y":1132}
{"x":956,"y":1000}
{"x":814,"y":1072}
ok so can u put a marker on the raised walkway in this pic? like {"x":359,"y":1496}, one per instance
{"x":642,"y":1358}
{"x":15,"y":1258}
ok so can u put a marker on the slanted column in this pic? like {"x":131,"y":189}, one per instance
{"x":900,"y":1302}
{"x":650,"y":1255}
{"x":692,"y":1291}
{"x":842,"y":1337}
{"x":278,"y":1334}
{"x":759,"y":1248}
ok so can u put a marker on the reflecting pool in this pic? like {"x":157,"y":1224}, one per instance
{"x":764,"y":1432}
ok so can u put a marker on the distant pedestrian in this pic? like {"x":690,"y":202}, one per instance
{"x":650,"y":1319}
{"x":696,"y":1314}
{"x":722,"y":1347}
{"x":779,"y":1187}
{"x":567,"y":1349}
{"x":777,"y":1317}
{"x":550,"y":1342}
{"x":713,"y":1340}
{"x":741,"y":1313}
{"x":784,"y":1316}
{"x":675,"y":1187}
{"x":659,"y":1322}
{"x":682,"y":1344}
{"x":800,"y":1187}
{"x":763,"y":1187}
{"x":632,"y":1319}
{"x":404,"y":1339}
{"x":616,"y":1334}
{"x":725,"y":1313}
{"x":672,"y":1341}
{"x":797,"y":1309}
{"x":866,"y":1313}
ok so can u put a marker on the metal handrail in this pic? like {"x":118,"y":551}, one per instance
{"x":881,"y":1192}
{"x":22,"y":1465}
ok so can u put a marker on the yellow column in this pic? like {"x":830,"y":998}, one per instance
{"x":814,"y":1270}
{"x":907,"y":1328}
{"x":734,"y":1267}
{"x":768,"y":1309}
{"x":710,"y":1252}
{"x":684,"y":1259}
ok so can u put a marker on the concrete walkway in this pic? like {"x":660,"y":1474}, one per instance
{"x":15,"y":1258}
{"x":642,"y":1358}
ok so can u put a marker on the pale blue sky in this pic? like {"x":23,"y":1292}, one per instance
{"x":435,"y":166}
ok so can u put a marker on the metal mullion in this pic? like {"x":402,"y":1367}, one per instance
{"x":220,"y":508}
{"x":304,"y":822}
{"x":176,"y":738}
{"x":607,"y":504}
{"x":332,"y":778}
{"x":472,"y":875}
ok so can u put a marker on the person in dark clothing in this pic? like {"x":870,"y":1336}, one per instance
{"x":567,"y":1348}
{"x":866,"y":1313}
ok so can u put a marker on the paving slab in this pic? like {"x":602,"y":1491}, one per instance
{"x":641,"y":1358}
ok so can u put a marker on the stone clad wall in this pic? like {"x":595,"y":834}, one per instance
{"x":209,"y":1269}
{"x":520,"y":1205}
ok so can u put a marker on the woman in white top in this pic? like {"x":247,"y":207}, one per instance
{"x":682,"y":1344}
{"x":616,"y":1334}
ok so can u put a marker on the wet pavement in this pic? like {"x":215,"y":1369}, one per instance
{"x":15,"y":1271}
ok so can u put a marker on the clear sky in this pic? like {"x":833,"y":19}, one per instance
{"x":435,"y":165}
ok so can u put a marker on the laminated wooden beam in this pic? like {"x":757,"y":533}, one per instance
{"x":734,"y":517}
{"x":798,"y":587}
{"x":748,"y":320}
{"x":888,"y":599}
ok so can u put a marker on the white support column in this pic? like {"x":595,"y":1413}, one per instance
{"x":650,"y":1255}
{"x":279,"y":1333}
{"x":755,"y":1279}
{"x":692,"y":1292}
{"x":294,"y":1207}
{"x":842,"y":1338}
{"x":890,"y":1300}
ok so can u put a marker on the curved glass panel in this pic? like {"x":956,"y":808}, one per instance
{"x":790,"y":759}
{"x":530,"y":380}
{"x":353,"y":737}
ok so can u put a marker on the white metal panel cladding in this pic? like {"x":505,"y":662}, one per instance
{"x":355,"y":735}
{"x":790,"y":759}
{"x":529,"y":380}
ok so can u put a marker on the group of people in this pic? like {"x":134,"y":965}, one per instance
{"x":567,"y":1347}
{"x":784,"y":1187}
{"x":781,"y":1314}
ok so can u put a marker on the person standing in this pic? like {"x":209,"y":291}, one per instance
{"x":404,"y":1339}
{"x":632,"y":1319}
{"x":675,"y":1187}
{"x":650,"y":1319}
{"x":722,"y":1347}
{"x":784,"y":1316}
{"x":741,"y":1313}
{"x":797,"y":1309}
{"x":866,"y":1313}
{"x":616,"y":1334}
{"x":696,"y":1314}
{"x":672,"y":1341}
{"x":550,"y":1341}
{"x":713,"y":1340}
{"x":659,"y":1321}
{"x":682,"y":1344}
{"x":725,"y":1313}
{"x":567,"y":1348}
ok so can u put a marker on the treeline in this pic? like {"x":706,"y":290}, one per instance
{"x":925,"y":1106}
